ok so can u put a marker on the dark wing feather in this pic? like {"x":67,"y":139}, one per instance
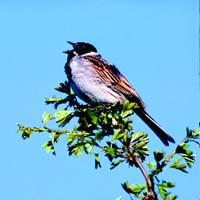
{"x":110,"y":74}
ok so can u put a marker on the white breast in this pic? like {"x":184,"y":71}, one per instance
{"x":86,"y":82}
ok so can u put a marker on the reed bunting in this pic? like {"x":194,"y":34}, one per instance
{"x":96,"y":81}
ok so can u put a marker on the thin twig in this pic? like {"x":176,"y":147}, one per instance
{"x":152,"y":194}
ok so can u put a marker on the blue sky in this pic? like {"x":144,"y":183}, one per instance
{"x":154,"y":43}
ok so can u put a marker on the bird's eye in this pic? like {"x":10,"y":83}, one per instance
{"x":75,"y":53}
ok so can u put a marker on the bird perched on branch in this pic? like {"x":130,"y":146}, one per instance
{"x":96,"y":81}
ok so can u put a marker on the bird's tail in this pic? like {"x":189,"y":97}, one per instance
{"x":155,"y":127}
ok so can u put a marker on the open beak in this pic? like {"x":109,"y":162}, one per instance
{"x":68,"y":51}
{"x":72,"y":43}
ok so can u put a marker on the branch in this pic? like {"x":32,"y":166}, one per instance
{"x":151,"y":195}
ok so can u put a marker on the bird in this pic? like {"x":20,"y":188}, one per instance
{"x":96,"y":81}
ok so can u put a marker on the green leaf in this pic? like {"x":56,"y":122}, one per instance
{"x":54,"y":137}
{"x":125,"y":105}
{"x":116,"y":163}
{"x":192,"y":134}
{"x":97,"y":161}
{"x":158,"y":155}
{"x":135,"y":189}
{"x":26,"y":132}
{"x":184,"y":150}
{"x":163,"y":189}
{"x":63,"y":117}
{"x":137,"y":137}
{"x":132,"y":106}
{"x":139,"y":143}
{"x":88,"y":148}
{"x":176,"y":165}
{"x":117,"y":135}
{"x":49,"y":147}
{"x":127,"y":109}
{"x":98,"y":135}
{"x":151,"y":165}
{"x":75,"y":150}
{"x":94,"y":117}
{"x":126,"y":113}
{"x":173,"y":197}
{"x":129,"y":105}
{"x":46,"y":117}
{"x":105,"y":119}
{"x":110,"y":151}
{"x":54,"y":99}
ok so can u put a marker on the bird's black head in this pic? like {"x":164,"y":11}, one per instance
{"x":80,"y":48}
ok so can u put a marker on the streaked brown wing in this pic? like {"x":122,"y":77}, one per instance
{"x":110,"y":74}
